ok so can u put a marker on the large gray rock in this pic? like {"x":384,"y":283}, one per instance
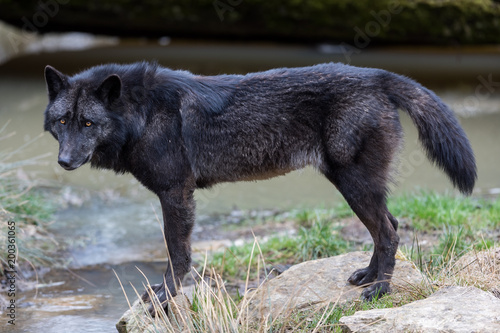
{"x":319,"y":282}
{"x":450,"y":310}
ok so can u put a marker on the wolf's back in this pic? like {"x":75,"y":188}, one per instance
{"x":443,"y":138}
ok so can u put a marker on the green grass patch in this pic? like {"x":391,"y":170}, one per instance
{"x":26,"y":205}
{"x":322,"y":239}
{"x":429,"y":210}
{"x":461,"y":223}
{"x":235,"y":260}
{"x":307,"y":216}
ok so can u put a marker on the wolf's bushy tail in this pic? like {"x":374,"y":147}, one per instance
{"x":443,"y":138}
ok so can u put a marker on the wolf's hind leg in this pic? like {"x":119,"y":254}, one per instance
{"x":361,"y":175}
{"x":360,"y":144}
{"x":369,"y":274}
{"x":367,"y":199}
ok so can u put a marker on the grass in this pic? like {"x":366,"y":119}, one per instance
{"x":452,"y":260}
{"x":25,"y":204}
{"x":462,"y":224}
{"x":458,"y":223}
{"x":326,"y":319}
{"x":430,"y":210}
{"x":319,"y":240}
{"x":28,"y":208}
{"x":214,"y":309}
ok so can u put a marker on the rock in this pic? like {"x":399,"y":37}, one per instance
{"x":319,"y":282}
{"x":135,"y":320}
{"x":130,"y":321}
{"x":178,"y":312}
{"x":451,"y":309}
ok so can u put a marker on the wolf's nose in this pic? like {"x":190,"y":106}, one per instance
{"x":64,"y":163}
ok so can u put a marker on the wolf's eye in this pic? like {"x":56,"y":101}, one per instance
{"x":62,"y":121}
{"x":88,"y":124}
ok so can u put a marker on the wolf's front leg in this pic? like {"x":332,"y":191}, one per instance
{"x":178,"y":218}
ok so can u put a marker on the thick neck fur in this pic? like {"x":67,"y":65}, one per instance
{"x":148,"y":90}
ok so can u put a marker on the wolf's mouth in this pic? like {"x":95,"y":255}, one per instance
{"x":69,"y":167}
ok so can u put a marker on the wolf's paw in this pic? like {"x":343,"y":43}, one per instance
{"x":157,"y":302}
{"x":376,"y":291}
{"x":363,"y":276}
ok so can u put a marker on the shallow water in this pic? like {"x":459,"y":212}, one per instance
{"x":90,"y":300}
{"x":123,"y":233}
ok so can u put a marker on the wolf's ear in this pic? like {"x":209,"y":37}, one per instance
{"x":110,"y":89}
{"x":56,"y":81}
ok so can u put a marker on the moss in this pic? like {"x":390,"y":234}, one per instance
{"x":414,"y":21}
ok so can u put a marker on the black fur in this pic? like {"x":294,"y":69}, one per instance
{"x":176,"y":132}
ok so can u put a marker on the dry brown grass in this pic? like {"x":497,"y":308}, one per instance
{"x":478,"y":269}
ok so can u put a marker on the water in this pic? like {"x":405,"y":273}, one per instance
{"x":124,"y":233}
{"x":90,"y":300}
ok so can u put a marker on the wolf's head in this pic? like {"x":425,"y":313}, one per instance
{"x":81,"y":114}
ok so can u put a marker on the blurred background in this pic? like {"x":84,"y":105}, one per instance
{"x":452,"y":47}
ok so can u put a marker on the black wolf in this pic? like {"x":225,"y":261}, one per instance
{"x":176,"y":132}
